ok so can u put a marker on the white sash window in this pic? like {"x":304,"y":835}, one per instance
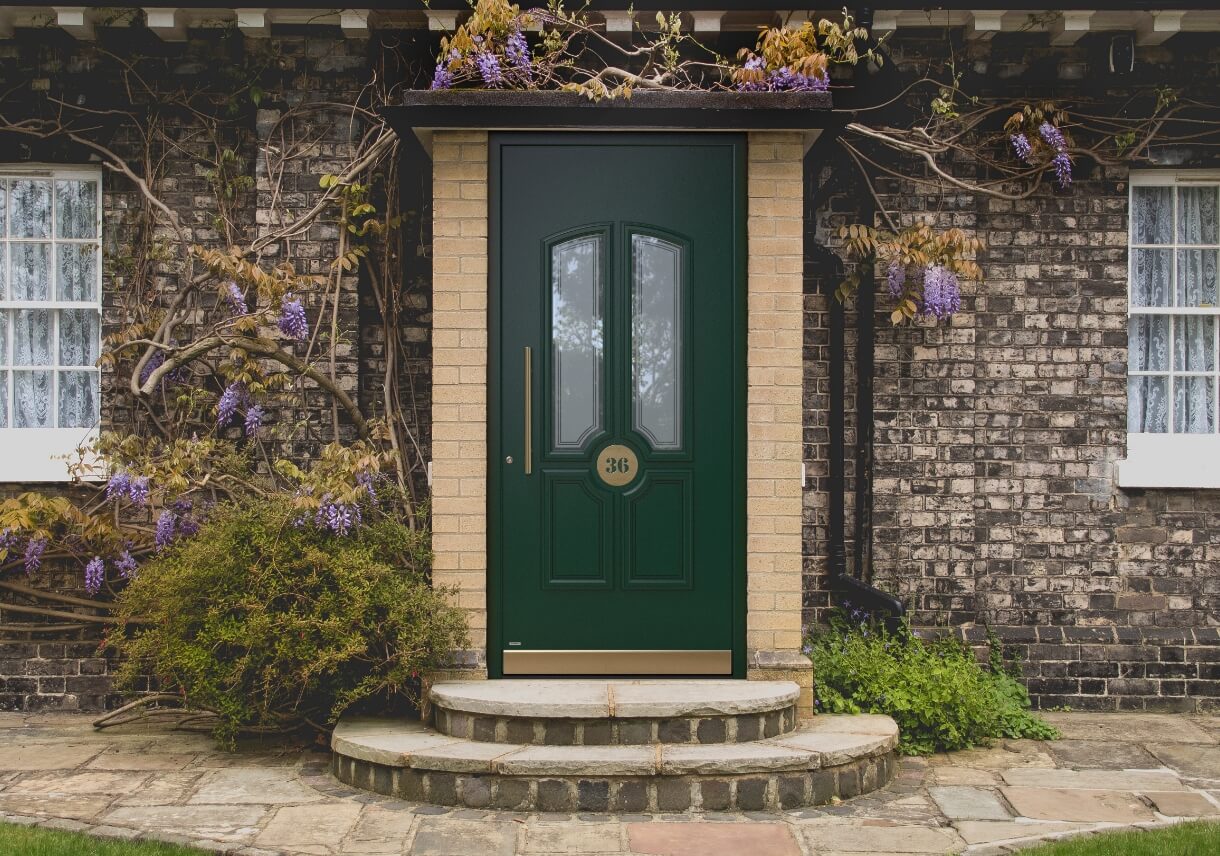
{"x":50,"y":318}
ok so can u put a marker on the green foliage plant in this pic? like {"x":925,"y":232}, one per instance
{"x":942,"y":698}
{"x":269,"y":623}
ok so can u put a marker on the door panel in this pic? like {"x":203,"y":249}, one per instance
{"x":617,"y":404}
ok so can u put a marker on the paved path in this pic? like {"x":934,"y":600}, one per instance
{"x":1109,"y":770}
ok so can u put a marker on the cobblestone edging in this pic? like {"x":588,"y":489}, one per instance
{"x":746,"y":792}
{"x":545,"y":731}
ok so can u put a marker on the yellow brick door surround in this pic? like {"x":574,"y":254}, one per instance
{"x":774,"y":396}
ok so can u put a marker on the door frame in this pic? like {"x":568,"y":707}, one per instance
{"x":497,"y":141}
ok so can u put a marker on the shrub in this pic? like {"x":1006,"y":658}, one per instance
{"x":941,"y":697}
{"x":271,"y":624}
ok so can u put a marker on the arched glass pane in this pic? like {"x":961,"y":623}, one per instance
{"x":656,"y":340}
{"x":576,"y":339}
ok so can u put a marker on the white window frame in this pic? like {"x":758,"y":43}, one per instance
{"x":44,"y":454}
{"x":1169,"y":460}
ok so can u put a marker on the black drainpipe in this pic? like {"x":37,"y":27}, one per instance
{"x":851,"y":589}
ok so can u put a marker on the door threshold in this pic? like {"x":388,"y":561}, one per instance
{"x":618,"y":662}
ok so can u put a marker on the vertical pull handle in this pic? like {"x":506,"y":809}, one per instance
{"x":529,"y":416}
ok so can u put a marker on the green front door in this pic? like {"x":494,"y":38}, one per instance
{"x":616,"y":400}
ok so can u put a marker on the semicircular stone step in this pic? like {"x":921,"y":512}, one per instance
{"x":564,"y":712}
{"x":825,"y":758}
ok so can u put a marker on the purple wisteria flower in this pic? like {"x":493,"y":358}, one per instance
{"x":1021,"y":146}
{"x":339,"y":517}
{"x":941,"y":294}
{"x":366,"y":481}
{"x":154,"y":362}
{"x":8,"y":539}
{"x":254,"y":420}
{"x":236,"y":300}
{"x":517,"y":52}
{"x":34,"y":549}
{"x":230,"y":399}
{"x":1053,"y":136}
{"x":895,"y":279}
{"x":754,"y":63}
{"x":292,"y":318}
{"x":1063,"y":169}
{"x":188,"y":526}
{"x":137,"y":491}
{"x":786,"y":80}
{"x":489,"y":68}
{"x":118,"y":486}
{"x":95,"y":574}
{"x":165,"y":529}
{"x":126,"y":564}
{"x":442,"y":78}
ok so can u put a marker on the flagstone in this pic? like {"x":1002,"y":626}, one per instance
{"x":311,"y":828}
{"x":1085,"y":806}
{"x":46,"y":756}
{"x":988,"y":831}
{"x":222,"y":822}
{"x":67,"y":784}
{"x":163,"y":789}
{"x":78,"y":807}
{"x":1105,"y":780}
{"x":711,"y":839}
{"x":239,"y":786}
{"x":1201,"y":762}
{"x":1102,"y":754}
{"x":1128,"y":727}
{"x":116,"y":758}
{"x":966,"y":803}
{"x":573,"y":838}
{"x":860,"y":838}
{"x":440,"y":836}
{"x":1187,"y":804}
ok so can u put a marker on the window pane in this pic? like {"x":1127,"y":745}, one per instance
{"x":77,"y":265}
{"x":1194,"y":343}
{"x":3,"y":207}
{"x":656,"y":340}
{"x":78,"y":399}
{"x":30,"y":208}
{"x":1148,"y":343}
{"x":1152,"y":214}
{"x":3,"y":399}
{"x":3,"y":269}
{"x":79,"y":337}
{"x":32,"y":337}
{"x":31,"y":399}
{"x":4,"y":337}
{"x":576,"y":339}
{"x":1150,"y":272}
{"x":1196,"y":278}
{"x":76,"y":208}
{"x":1147,"y":405}
{"x":31,"y":265}
{"x":1197,"y":215}
{"x":1194,"y":405}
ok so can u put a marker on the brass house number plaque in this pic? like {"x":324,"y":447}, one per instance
{"x":617,"y":465}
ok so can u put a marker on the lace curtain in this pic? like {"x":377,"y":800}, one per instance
{"x":48,"y":347}
{"x":1172,"y":349}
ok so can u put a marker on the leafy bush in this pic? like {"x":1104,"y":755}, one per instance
{"x":937,"y":692}
{"x":271,"y":624}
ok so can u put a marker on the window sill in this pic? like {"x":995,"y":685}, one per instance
{"x":1171,"y":461}
{"x":41,"y":454}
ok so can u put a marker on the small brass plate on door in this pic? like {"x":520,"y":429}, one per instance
{"x":617,"y":465}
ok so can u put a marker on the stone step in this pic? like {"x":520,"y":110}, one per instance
{"x":824,"y":758}
{"x":567,"y":712}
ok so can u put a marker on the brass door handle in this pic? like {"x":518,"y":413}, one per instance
{"x":529,"y":403}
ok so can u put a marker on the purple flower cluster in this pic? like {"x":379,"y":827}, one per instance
{"x":1021,"y":146}
{"x":126,"y":564}
{"x":339,"y":517}
{"x":442,"y":78}
{"x":781,"y":80}
{"x":367,"y":481}
{"x":292,"y":318}
{"x":254,"y":420}
{"x":942,"y":295}
{"x":232,"y":398}
{"x":236,"y":300}
{"x":166,"y":525}
{"x":1062,"y":162}
{"x":517,"y":52}
{"x":895,"y":279}
{"x":489,"y":68}
{"x":95,"y":575}
{"x":178,"y":375}
{"x":8,"y":539}
{"x":122,"y":485}
{"x":34,"y":549}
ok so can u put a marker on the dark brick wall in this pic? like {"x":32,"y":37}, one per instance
{"x":997,"y":435}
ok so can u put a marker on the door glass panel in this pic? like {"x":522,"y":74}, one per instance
{"x":576,"y":339}
{"x":656,"y":340}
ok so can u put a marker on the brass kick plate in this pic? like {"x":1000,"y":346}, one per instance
{"x":518,"y":662}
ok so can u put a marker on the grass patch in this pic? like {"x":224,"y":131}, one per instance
{"x":33,"y":841}
{"x":1184,"y":839}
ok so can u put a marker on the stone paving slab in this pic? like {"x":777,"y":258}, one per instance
{"x":278,"y":801}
